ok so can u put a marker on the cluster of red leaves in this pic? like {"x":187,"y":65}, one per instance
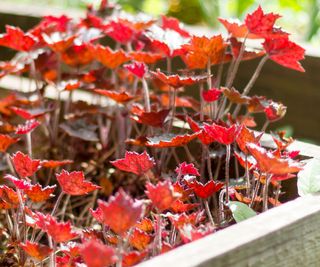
{"x":135,"y":207}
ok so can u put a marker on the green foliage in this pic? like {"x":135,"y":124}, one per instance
{"x":309,"y":178}
{"x":241,"y":211}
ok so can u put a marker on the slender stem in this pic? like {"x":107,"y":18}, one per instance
{"x":209,"y":164}
{"x":250,"y":84}
{"x":56,"y":205}
{"x":146,"y":94}
{"x":119,"y":252}
{"x":206,"y":205}
{"x":209,"y":81}
{"x":29,"y":144}
{"x":265,"y":192}
{"x":227,"y":169}
{"x":52,"y":260}
{"x":158,"y":238}
{"x":265,"y":126}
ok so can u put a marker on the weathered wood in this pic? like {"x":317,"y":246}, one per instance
{"x":285,"y":236}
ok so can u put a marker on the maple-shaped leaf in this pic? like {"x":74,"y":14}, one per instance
{"x":237,"y":29}
{"x":139,"y":239}
{"x":183,"y":190}
{"x":74,"y":183}
{"x":6,"y":141}
{"x":137,"y":68}
{"x":58,"y":42}
{"x":51,"y":164}
{"x":120,"y":32}
{"x":133,"y":257}
{"x":27,"y":127}
{"x":205,"y":190}
{"x":179,"y":220}
{"x":162,"y":194}
{"x":6,"y":103}
{"x":211,"y":95}
{"x":152,"y":118}
{"x":244,"y":137}
{"x":175,"y":25}
{"x":271,"y":164}
{"x":221,"y":134}
{"x":177,"y":81}
{"x":39,"y":194}
{"x":146,"y":57}
{"x":201,"y":134}
{"x":119,"y":97}
{"x":187,"y":169}
{"x":96,"y":254}
{"x":24,"y":165}
{"x":134,"y":162}
{"x":59,"y":231}
{"x":145,"y":224}
{"x":185,"y":102}
{"x":121,"y":212}
{"x":36,"y":250}
{"x":204,"y":50}
{"x":234,"y":96}
{"x":16,"y":39}
{"x":77,"y":55}
{"x":262,"y":24}
{"x":285,"y":53}
{"x":8,"y":196}
{"x":109,"y":58}
{"x":19,"y":183}
{"x":178,"y":206}
{"x":162,"y":141}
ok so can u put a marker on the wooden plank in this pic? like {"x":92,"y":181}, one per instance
{"x":285,"y":236}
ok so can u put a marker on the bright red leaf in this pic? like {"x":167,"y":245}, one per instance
{"x":237,"y":29}
{"x":146,"y":57}
{"x":6,"y":141}
{"x":36,"y":250}
{"x":139,"y":239}
{"x":19,"y":183}
{"x":96,"y":254}
{"x":221,"y":134}
{"x":187,"y":169}
{"x":137,"y":68}
{"x":121,"y":212}
{"x":162,"y":194}
{"x":16,"y":39}
{"x":24,"y":165}
{"x":51,"y":164}
{"x":211,"y":95}
{"x":29,"y":126}
{"x":39,"y":194}
{"x":119,"y":97}
{"x":133,"y":257}
{"x":134,"y":162}
{"x":175,"y":25}
{"x":205,"y":190}
{"x":152,"y":118}
{"x":74,"y":183}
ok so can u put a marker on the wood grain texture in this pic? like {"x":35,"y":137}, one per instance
{"x":285,"y":236}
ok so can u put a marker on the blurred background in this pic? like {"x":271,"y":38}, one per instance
{"x":302,"y":17}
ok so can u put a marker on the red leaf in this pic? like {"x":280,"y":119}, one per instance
{"x":78,"y":55}
{"x":119,"y":97}
{"x":177,"y":81}
{"x":38,"y":194}
{"x":251,"y":162}
{"x":58,"y":43}
{"x":20,"y":184}
{"x":162,"y":141}
{"x":262,"y":24}
{"x":133,"y":257}
{"x":179,"y":220}
{"x":234,"y":96}
{"x":275,"y":111}
{"x":175,"y":25}
{"x":178,"y":206}
{"x":285,"y":52}
{"x":211,"y":95}
{"x":6,"y":141}
{"x":96,"y":254}
{"x":205,"y":190}
{"x":5,"y":104}
{"x":59,"y":231}
{"x":162,"y":194}
{"x":55,"y":163}
{"x":188,"y":233}
{"x":121,"y":212}
{"x":145,"y":225}
{"x":29,"y":126}
{"x":8,"y":196}
{"x":16,"y":39}
{"x":202,"y":50}
{"x":134,"y":162}
{"x":237,"y":29}
{"x":221,"y":134}
{"x":109,"y":58}
{"x":74,"y":183}
{"x":244,"y":137}
{"x":146,"y":57}
{"x":24,"y":165}
{"x":137,"y":68}
{"x":153,"y":118}
{"x":139,"y":239}
{"x":202,"y":135}
{"x":184,"y":169}
{"x":28,"y":114}
{"x":120,"y":32}
{"x":247,"y":54}
{"x":271,"y":164}
{"x":36,"y":250}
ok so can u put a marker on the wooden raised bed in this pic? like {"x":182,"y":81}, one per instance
{"x":284,"y":236}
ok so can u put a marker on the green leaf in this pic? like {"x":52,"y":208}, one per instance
{"x":241,"y":211}
{"x":309,"y":178}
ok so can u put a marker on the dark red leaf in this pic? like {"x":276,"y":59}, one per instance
{"x":24,"y":165}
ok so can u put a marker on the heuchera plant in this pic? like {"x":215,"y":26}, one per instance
{"x":155,"y":158}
